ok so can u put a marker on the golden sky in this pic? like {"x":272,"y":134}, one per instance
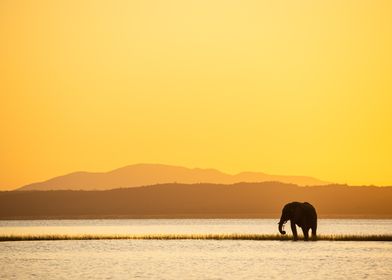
{"x":284,"y":87}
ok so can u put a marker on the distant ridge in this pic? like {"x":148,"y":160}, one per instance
{"x":243,"y":200}
{"x":150,"y":174}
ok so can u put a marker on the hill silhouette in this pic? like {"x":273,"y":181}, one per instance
{"x":150,"y":174}
{"x":243,"y":200}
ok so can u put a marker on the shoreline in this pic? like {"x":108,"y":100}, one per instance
{"x":255,"y":237}
{"x":187,"y":217}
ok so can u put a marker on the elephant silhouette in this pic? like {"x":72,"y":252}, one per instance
{"x":300,"y":214}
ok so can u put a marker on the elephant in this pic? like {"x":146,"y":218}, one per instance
{"x":301,"y":214}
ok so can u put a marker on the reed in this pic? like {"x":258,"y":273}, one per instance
{"x":277,"y":237}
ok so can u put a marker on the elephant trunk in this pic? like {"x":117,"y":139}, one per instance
{"x":281,"y":223}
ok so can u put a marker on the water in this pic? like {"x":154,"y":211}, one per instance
{"x":193,"y":259}
{"x":141,"y":226}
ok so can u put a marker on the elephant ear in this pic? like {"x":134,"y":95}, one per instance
{"x":292,"y":209}
{"x":295,"y":209}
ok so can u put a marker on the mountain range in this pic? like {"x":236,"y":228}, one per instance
{"x":150,"y":174}
{"x":242,"y":200}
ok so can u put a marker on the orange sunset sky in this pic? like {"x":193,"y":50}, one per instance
{"x":284,"y":87}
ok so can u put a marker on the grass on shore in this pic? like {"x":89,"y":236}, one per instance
{"x":278,"y":237}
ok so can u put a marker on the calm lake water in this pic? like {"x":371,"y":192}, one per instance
{"x":192,"y":259}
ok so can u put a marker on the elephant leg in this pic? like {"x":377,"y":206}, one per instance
{"x":306,"y":233}
{"x":294,"y":230}
{"x":314,"y":232}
